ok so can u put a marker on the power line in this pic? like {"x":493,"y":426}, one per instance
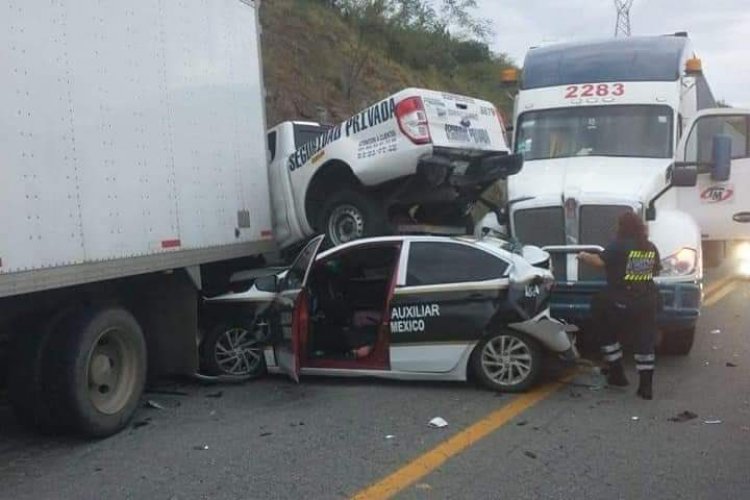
{"x":622,"y":27}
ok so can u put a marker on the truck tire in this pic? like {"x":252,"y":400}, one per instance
{"x":349,"y":215}
{"x":677,"y":342}
{"x":507,"y":361}
{"x":99,"y":370}
{"x":26,"y":387}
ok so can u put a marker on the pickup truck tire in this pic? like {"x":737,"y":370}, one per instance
{"x":349,"y":215}
{"x":677,"y":342}
{"x":26,"y":388}
{"x":99,"y":370}
{"x":507,"y":361}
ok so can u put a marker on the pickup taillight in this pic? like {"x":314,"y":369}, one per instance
{"x":412,"y":120}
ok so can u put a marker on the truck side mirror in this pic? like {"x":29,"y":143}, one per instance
{"x":721,"y":158}
{"x":684,"y":175}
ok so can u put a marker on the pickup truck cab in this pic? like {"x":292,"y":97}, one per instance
{"x":416,"y":157}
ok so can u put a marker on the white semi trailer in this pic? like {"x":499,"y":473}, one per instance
{"x":132,"y":145}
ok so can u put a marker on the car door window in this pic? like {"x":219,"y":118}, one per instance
{"x":700,"y":143}
{"x":444,"y":263}
{"x":295,"y":277}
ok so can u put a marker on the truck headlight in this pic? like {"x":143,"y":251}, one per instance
{"x":743,"y":251}
{"x":680,"y":263}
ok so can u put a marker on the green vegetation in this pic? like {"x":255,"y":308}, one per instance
{"x":326,"y":59}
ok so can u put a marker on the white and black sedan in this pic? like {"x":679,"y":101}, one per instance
{"x":401,"y":307}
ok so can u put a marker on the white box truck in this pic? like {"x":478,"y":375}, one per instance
{"x":134,"y":166}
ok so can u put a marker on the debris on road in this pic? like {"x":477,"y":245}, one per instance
{"x":265,"y":434}
{"x":141,"y":423}
{"x":153,"y":405}
{"x":731,"y":365}
{"x":423,"y":486}
{"x":167,"y":392}
{"x":575,"y":394}
{"x":715,"y":331}
{"x":712,"y":422}
{"x":530,"y":454}
{"x":683,"y":417}
{"x":201,"y":447}
{"x":390,"y":436}
{"x":522,"y":423}
{"x":215,"y":395}
{"x":438,"y":423}
{"x":635,"y":418}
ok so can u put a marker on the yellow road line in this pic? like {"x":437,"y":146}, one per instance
{"x":716,"y":285}
{"x":719,"y":294}
{"x":431,"y":460}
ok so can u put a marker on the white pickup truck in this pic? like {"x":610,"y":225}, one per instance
{"x":416,"y":157}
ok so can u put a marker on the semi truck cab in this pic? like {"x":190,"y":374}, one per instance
{"x":606,"y":127}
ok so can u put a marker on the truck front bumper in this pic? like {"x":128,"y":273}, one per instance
{"x":571,"y":301}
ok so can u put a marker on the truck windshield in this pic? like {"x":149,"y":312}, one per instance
{"x":643,"y":131}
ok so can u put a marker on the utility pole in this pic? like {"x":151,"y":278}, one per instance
{"x":622,"y":27}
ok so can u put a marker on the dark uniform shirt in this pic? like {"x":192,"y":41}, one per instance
{"x":629,"y":265}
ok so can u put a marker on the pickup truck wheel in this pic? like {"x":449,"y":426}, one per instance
{"x":507,"y":361}
{"x":235,"y":350}
{"x":677,"y":342}
{"x":99,"y":370}
{"x":349,"y":215}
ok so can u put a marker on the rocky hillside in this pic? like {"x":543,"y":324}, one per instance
{"x":318,"y":66}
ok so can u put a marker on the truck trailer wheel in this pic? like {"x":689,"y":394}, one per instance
{"x":349,"y":215}
{"x":677,"y":342}
{"x":99,"y":370}
{"x":26,"y":389}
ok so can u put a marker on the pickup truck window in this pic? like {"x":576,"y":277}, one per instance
{"x":700,"y":142}
{"x":272,"y":146}
{"x":306,"y":133}
{"x":643,"y":131}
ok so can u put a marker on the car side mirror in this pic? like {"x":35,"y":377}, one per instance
{"x":267,"y":283}
{"x":684,"y":175}
{"x":721,"y":158}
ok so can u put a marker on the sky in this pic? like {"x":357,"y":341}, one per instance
{"x":719,"y":30}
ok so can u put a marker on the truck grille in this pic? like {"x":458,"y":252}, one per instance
{"x":598,"y":226}
{"x":540,"y":226}
{"x":599,"y":223}
{"x":546,"y":226}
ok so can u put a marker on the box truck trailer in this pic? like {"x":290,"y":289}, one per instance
{"x":134,"y":172}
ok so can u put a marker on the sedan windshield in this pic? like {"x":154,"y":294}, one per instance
{"x":634,"y":131}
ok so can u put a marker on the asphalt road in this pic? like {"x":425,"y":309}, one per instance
{"x":328,"y":438}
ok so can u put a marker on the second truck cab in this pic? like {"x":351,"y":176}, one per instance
{"x":618,"y":125}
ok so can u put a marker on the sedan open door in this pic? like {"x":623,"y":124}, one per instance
{"x":292,"y":309}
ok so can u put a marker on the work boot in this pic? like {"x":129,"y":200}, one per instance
{"x":645,"y":387}
{"x":616,"y":375}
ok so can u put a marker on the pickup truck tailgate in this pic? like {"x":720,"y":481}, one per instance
{"x":463,"y":123}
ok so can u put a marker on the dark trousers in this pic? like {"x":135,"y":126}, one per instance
{"x":617,"y":314}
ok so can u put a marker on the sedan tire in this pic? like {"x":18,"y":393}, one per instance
{"x":507,"y":361}
{"x":234,"y":349}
